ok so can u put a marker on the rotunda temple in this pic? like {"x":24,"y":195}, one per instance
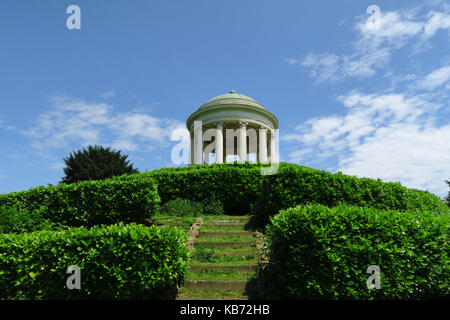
{"x":233,"y":125}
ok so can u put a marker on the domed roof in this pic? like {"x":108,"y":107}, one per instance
{"x":232,"y":95}
{"x":233,"y":106}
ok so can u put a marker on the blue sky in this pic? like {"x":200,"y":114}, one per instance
{"x":367,"y":101}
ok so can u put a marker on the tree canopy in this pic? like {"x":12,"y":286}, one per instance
{"x":95,"y":163}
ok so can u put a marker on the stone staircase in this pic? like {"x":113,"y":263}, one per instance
{"x":224,"y":257}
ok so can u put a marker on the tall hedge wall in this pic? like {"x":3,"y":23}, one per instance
{"x":316,"y":252}
{"x":116,"y":262}
{"x":90,"y":203}
{"x":236,"y":185}
{"x":239,"y":186}
{"x":294,"y":185}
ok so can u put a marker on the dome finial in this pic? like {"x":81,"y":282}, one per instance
{"x":232,"y":91}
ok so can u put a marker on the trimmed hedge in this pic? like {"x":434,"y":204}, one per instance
{"x":91,"y":203}
{"x":116,"y":262}
{"x":19,"y":221}
{"x":235,"y":185}
{"x":316,"y":252}
{"x":239,"y":187}
{"x":294,"y":185}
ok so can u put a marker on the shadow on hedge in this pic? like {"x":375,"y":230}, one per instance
{"x":261,"y":285}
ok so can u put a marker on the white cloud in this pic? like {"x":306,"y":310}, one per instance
{"x":71,"y":122}
{"x":299,"y":155}
{"x":125,"y":144}
{"x":373,"y":47}
{"x":323,"y":66}
{"x":436,"y":21}
{"x":418,"y":156}
{"x":331,"y":67}
{"x":387,"y":136}
{"x":395,"y":29}
{"x":393,"y":136}
{"x":434,"y":79}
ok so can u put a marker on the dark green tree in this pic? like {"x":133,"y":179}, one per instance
{"x":447,"y":199}
{"x":95,"y":163}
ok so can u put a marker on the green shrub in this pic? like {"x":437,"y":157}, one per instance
{"x":19,"y":221}
{"x":91,"y":203}
{"x":116,"y":262}
{"x":181,"y":208}
{"x":212,"y":207}
{"x":317,"y":252}
{"x":183,"y":223}
{"x":294,"y":185}
{"x":235,"y":185}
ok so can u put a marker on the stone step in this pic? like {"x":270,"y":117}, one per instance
{"x":241,"y":220}
{"x":209,"y":234}
{"x":226,"y":244}
{"x":216,"y":285}
{"x":231,"y":226}
{"x":236,"y":253}
{"x":238,"y":268}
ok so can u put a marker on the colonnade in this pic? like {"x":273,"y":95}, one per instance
{"x":257,"y":142}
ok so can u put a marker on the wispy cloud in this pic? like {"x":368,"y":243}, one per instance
{"x":71,"y":122}
{"x":373,"y":47}
{"x":387,"y":136}
{"x":434,"y":79}
{"x":436,"y":21}
{"x":399,"y":134}
{"x":323,"y":66}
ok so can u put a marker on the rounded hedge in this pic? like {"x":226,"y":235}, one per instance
{"x":241,"y":188}
{"x":316,"y":252}
{"x":116,"y":262}
{"x":90,"y":203}
{"x":235,"y":185}
{"x":294,"y":185}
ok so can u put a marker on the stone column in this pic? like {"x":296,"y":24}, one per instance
{"x":198,"y":137}
{"x":191,"y":149}
{"x":219,"y":142}
{"x":242,"y":141}
{"x":273,"y":156}
{"x":262,"y":145}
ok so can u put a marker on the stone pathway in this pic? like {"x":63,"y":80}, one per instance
{"x":224,"y":256}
